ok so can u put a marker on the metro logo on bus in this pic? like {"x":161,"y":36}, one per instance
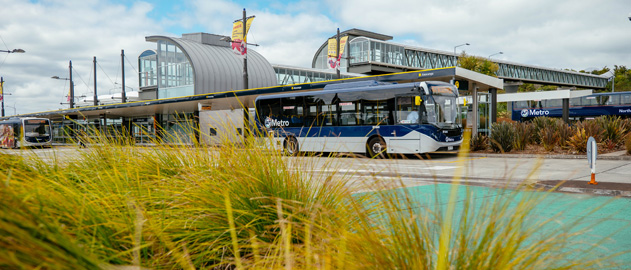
{"x":534,"y":112}
{"x":269,"y":123}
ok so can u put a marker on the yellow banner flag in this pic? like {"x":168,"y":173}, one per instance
{"x":342,"y":45}
{"x":333,"y":57}
{"x":1,"y":91}
{"x":332,"y":52}
{"x":238,"y":39}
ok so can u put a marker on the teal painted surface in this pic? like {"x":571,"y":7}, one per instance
{"x":603,"y":220}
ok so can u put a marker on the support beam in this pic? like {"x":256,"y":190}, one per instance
{"x":475,"y":114}
{"x":566,"y":110}
{"x":493,"y":92}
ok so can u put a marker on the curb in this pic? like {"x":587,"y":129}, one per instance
{"x":601,"y":157}
{"x":599,"y":192}
{"x":447,"y":179}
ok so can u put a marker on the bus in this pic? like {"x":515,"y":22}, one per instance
{"x":25,"y":132}
{"x":594,"y":105}
{"x":370,"y":117}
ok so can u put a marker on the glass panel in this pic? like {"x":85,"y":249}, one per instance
{"x":292,"y":111}
{"x":375,"y":112}
{"x":329,"y":114}
{"x":175,"y":71}
{"x":442,"y":111}
{"x":407,"y":112}
{"x":349,"y":114}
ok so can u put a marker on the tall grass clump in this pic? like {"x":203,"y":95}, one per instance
{"x":479,"y":142}
{"x":523,"y":135}
{"x":540,"y":124}
{"x":582,"y":131}
{"x":502,"y":136}
{"x":613,"y":130}
{"x":242,"y":205}
{"x":564,"y":132}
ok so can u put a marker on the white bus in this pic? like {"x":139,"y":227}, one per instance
{"x":24,"y":132}
{"x":364,"y":117}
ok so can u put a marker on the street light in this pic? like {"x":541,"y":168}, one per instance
{"x":245,"y":58}
{"x":14,"y":51}
{"x":71,"y":97}
{"x":453,"y":79}
{"x":2,"y":80}
{"x":2,"y":93}
{"x":495,"y":54}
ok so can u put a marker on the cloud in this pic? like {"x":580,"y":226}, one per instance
{"x":55,"y":32}
{"x":574,"y":34}
{"x":558,"y":34}
{"x":288,"y":34}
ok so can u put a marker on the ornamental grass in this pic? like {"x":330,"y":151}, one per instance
{"x":243,"y":205}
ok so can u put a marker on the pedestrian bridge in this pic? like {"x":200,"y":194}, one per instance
{"x":376,"y":55}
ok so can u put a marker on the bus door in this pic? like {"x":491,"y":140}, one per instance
{"x":404,"y":137}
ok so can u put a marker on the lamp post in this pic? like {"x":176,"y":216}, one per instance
{"x":245,"y":56}
{"x":2,"y":94}
{"x":453,"y":79}
{"x":71,"y":97}
{"x":2,"y":79}
{"x":495,"y":54}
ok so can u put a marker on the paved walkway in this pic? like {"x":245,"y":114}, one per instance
{"x":613,"y":173}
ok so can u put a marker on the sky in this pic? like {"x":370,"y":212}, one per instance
{"x":563,"y":34}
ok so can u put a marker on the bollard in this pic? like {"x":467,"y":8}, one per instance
{"x":593,"y":181}
{"x":592,"y":152}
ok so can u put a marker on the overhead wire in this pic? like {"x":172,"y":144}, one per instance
{"x":5,"y":57}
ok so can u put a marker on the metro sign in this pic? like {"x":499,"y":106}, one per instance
{"x":534,"y":112}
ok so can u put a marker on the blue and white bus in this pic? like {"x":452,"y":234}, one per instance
{"x":364,"y":117}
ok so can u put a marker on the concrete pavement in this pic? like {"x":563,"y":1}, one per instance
{"x":613,"y":172}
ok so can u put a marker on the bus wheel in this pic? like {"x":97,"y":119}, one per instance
{"x":376,"y":148}
{"x":291,"y":146}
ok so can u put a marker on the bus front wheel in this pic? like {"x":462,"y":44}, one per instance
{"x":376,"y":148}
{"x":291,"y":146}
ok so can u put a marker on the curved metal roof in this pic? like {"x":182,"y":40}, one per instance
{"x":218,"y":69}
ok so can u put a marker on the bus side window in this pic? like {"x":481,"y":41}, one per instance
{"x":614,"y":100}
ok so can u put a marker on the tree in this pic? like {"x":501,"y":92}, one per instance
{"x":478,"y":64}
{"x":529,"y":87}
{"x":622,"y":79}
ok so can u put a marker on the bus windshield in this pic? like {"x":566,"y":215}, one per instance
{"x":36,"y":128}
{"x":442,"y":111}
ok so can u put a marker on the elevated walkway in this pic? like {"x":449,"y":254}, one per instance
{"x":375,"y":54}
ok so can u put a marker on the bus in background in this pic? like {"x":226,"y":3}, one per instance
{"x":25,"y":132}
{"x":594,"y":105}
{"x":369,"y":117}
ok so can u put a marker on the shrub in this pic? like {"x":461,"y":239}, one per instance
{"x":613,"y":130}
{"x":479,"y":142}
{"x":627,"y":143}
{"x":539,"y":124}
{"x":578,"y":141}
{"x":549,"y":137}
{"x":502,"y":135}
{"x":564,"y":132}
{"x":592,"y":129}
{"x":523,"y":135}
